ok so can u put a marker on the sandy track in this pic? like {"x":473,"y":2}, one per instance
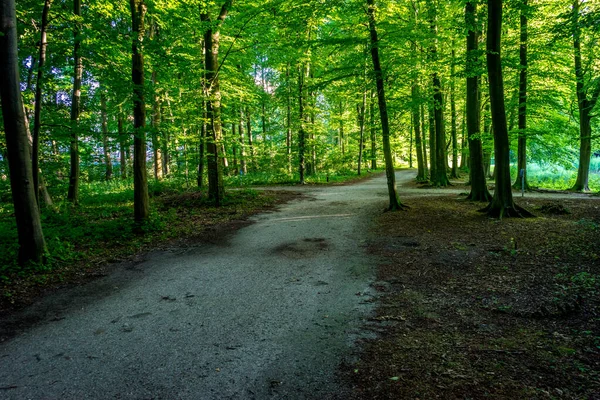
{"x":269,"y":314}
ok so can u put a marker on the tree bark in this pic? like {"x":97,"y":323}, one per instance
{"x":479,"y":190}
{"x":585,"y":106}
{"x":32,"y":245}
{"x":522,"y":146}
{"x":105,"y":147}
{"x":122,"y":146}
{"x":288,"y":121}
{"x":453,"y":132}
{"x":394,"y":203}
{"x":156,"y":137}
{"x":373,"y":131}
{"x":416,"y":117}
{"x":502,"y":204}
{"x":73,"y":193}
{"x":37,"y":113}
{"x":213,"y":105}
{"x":301,"y":131}
{"x":361,"y":111}
{"x":141,"y":207}
{"x":243,"y":164}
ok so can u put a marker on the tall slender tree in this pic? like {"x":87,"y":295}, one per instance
{"x":390,"y":173}
{"x":585,"y":102}
{"x":29,"y":228}
{"x":479,"y":190}
{"x":141,"y":208}
{"x":521,"y":181}
{"x":502,"y":204}
{"x":73,"y":193}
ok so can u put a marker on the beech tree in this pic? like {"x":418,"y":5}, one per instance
{"x":32,"y":245}
{"x":394,"y":203}
{"x":141,"y":207}
{"x":502,"y":204}
{"x":479,"y":190}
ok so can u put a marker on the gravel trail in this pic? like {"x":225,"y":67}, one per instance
{"x":269,"y":314}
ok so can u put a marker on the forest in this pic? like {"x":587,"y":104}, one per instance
{"x":207,"y":95}
{"x":158,"y":125}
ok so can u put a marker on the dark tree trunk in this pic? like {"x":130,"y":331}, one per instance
{"x":141,"y":207}
{"x":243,"y":166}
{"x":585,"y":106}
{"x":156,"y":137}
{"x":301,"y":131}
{"x":32,"y":246}
{"x":416,"y":117}
{"x":479,"y":190}
{"x":253,"y":161}
{"x":522,"y":149}
{"x":373,"y":132}
{"x":73,"y":194}
{"x":122,"y":146}
{"x":106,"y":148}
{"x":439,"y":176}
{"x":454,"y":133}
{"x":424,"y":143}
{"x":236,"y":171}
{"x":288,"y":121}
{"x":37,"y":113}
{"x":202,"y":147}
{"x":361,"y":110}
{"x":385,"y":128}
{"x":502,"y":204}
{"x":213,"y":110}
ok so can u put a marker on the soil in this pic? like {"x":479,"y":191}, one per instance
{"x":476,"y":308}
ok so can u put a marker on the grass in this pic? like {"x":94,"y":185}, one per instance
{"x":556,"y":177}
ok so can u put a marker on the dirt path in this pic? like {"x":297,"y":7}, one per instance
{"x":269,"y":314}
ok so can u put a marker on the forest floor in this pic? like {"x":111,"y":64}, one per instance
{"x":478,"y":308}
{"x":438,"y":301}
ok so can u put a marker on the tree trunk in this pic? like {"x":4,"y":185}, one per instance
{"x":454,"y":133}
{"x":301,"y":132}
{"x":73,"y":194}
{"x":439,"y":176}
{"x":424,"y":143}
{"x":236,"y":171}
{"x":288,"y":121}
{"x":385,"y":128}
{"x":361,"y":111}
{"x":502,"y":204}
{"x":202,"y":147}
{"x":373,"y":132}
{"x":37,"y":113}
{"x":156,"y":137}
{"x":122,"y":146}
{"x":585,"y":106}
{"x":32,"y":245}
{"x":479,"y":190}
{"x":432,"y":141}
{"x":141,"y":208}
{"x":213,"y":109}
{"x":243,"y":166}
{"x":105,"y":146}
{"x":250,"y":141}
{"x":522,"y":149}
{"x":416,"y":117}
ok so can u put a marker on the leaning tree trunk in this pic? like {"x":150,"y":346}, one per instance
{"x":521,"y":181}
{"x":141,"y":209}
{"x":479,"y":190}
{"x":29,"y":228}
{"x":385,"y":127}
{"x":585,"y":106}
{"x":502,"y":204}
{"x":73,"y":194}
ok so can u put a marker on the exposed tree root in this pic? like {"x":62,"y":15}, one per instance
{"x":514,"y":211}
{"x":483,"y":196}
